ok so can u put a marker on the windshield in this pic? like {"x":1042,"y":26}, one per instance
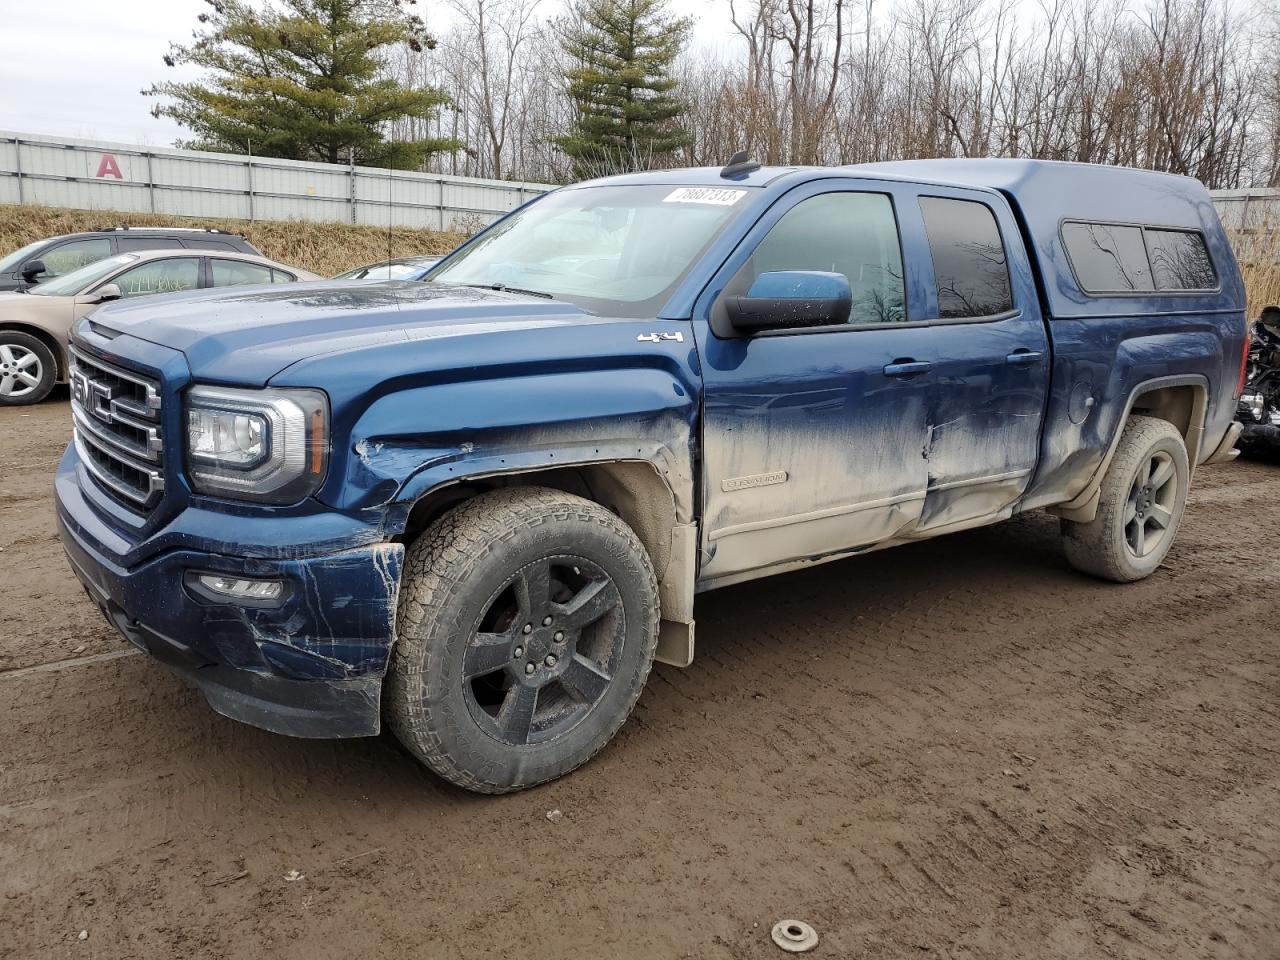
{"x":70,"y":284}
{"x":612,"y":250}
{"x":11,"y":262}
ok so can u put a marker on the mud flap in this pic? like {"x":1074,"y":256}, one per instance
{"x":1227,"y":451}
{"x":675,"y":643}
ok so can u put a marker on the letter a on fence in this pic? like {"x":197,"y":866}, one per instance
{"x":108,"y":167}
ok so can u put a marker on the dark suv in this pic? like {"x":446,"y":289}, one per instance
{"x":45,"y":259}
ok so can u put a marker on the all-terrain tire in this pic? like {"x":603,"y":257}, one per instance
{"x":1104,"y":547}
{"x":473,"y":560}
{"x":28,"y":369}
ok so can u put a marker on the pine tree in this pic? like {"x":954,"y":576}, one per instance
{"x":620,"y":84}
{"x":301,"y":81}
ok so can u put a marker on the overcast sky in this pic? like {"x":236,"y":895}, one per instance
{"x":75,"y":67}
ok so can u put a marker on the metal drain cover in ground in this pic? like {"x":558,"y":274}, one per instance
{"x":795,"y":936}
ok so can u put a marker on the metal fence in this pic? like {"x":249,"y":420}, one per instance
{"x":1253,"y":219}
{"x":98,"y":175}
{"x":1247,"y":209}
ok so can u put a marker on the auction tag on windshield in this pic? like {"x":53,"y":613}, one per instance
{"x":715,"y":195}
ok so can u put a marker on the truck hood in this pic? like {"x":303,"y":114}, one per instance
{"x":247,"y":335}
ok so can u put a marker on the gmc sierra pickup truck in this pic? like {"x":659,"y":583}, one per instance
{"x":480,"y":507}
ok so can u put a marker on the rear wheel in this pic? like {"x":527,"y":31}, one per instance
{"x":527,"y":624}
{"x":27,"y":369}
{"x":1144,"y":493}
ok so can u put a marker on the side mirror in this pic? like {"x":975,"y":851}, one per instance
{"x":32,"y":269}
{"x":108,"y":291}
{"x":788,"y":299}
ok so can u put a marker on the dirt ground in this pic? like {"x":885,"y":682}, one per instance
{"x":953,"y":749}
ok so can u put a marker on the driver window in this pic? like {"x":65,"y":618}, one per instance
{"x":854,"y":234}
{"x":160,"y":276}
{"x":74,"y":255}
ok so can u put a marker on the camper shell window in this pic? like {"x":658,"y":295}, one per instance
{"x":1110,"y":259}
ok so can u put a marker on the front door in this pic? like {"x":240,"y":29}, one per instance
{"x":813,"y":441}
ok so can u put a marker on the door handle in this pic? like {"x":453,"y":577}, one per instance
{"x":907,"y":368}
{"x":1024,"y":358}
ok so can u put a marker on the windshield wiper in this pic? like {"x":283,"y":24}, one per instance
{"x":503,"y":288}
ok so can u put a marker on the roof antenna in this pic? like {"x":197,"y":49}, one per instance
{"x":740,"y":164}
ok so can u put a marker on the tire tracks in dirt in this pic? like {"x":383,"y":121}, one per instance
{"x":953,"y":749}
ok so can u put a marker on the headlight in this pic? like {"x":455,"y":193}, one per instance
{"x":270,"y":445}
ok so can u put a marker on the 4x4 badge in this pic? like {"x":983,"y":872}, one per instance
{"x":656,"y":337}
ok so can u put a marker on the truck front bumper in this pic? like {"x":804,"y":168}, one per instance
{"x":309,"y":663}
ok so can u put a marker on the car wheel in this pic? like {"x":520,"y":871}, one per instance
{"x":1144,"y":493}
{"x":526,"y":628}
{"x":27,"y":369}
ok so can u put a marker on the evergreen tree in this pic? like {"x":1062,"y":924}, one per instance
{"x":620,"y":84}
{"x":301,"y":81}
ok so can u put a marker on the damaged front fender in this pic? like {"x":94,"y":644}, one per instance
{"x":407,"y":444}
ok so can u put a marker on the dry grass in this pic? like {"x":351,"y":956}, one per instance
{"x":1258,"y":250}
{"x":323,"y":248}
{"x":1262,"y":284}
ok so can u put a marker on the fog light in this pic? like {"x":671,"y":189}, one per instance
{"x":236,"y":588}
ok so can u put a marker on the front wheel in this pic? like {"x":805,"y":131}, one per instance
{"x":1144,"y":493}
{"x":27,"y":369}
{"x":527,"y":624}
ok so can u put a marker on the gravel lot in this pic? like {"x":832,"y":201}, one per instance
{"x":952,"y":749}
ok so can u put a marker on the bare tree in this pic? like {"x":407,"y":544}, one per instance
{"x":493,"y":37}
{"x":1177,"y":85}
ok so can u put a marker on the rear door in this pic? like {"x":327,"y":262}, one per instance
{"x":991,"y":373}
{"x":813,"y":440}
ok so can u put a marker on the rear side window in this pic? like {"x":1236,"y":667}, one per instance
{"x":279,"y":276}
{"x":1107,"y":258}
{"x":1129,"y":258}
{"x":235,"y":273}
{"x":133,"y":244}
{"x":969,"y":266}
{"x":203,"y":244}
{"x":1179,"y":260}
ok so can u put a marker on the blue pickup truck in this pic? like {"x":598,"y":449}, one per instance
{"x":482,"y":506}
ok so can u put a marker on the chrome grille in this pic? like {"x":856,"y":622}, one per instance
{"x":116,"y":416}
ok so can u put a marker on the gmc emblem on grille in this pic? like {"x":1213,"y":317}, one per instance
{"x":79,"y":388}
{"x":100,"y":397}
